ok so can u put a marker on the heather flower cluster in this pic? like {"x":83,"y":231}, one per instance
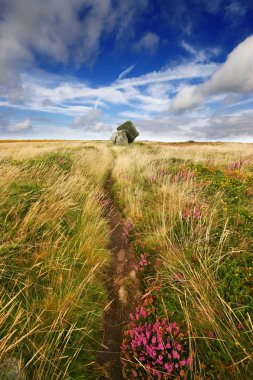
{"x":179,"y":277}
{"x":237,"y":165}
{"x":183,"y":175}
{"x":153,"y":347}
{"x":191,"y":213}
{"x":159,"y":174}
{"x":140,"y":266}
{"x":180,"y":176}
{"x":145,"y":260}
{"x":162,"y":172}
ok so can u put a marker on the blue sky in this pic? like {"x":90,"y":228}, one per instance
{"x":75,"y":69}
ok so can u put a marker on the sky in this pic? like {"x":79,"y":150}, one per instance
{"x":75,"y":69}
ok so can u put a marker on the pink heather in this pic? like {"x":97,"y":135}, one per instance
{"x":175,"y":354}
{"x":154,"y":345}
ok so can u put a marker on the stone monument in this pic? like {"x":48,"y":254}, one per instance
{"x":126,"y":134}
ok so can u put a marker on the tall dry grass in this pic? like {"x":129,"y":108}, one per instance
{"x":52,"y":257}
{"x":155,"y":201}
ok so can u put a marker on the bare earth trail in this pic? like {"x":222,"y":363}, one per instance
{"x":122,"y":288}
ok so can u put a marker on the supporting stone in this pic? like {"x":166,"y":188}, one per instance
{"x":119,"y":138}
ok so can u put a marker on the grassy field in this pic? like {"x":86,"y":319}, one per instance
{"x":191,"y":209}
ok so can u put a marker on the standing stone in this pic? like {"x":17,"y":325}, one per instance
{"x":125,"y":134}
{"x":121,"y":138}
{"x":114,"y":137}
{"x":130,"y":129}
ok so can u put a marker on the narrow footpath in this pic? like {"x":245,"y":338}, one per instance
{"x":122,"y":288}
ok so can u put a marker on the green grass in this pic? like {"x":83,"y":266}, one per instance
{"x":52,"y":255}
{"x":192,"y":212}
{"x":198,"y":215}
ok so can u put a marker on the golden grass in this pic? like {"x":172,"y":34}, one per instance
{"x":156,"y":214}
{"x":25,"y":150}
{"x":53,"y":251}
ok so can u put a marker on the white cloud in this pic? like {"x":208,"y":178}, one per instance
{"x":92,"y":109}
{"x":234,"y":76}
{"x":89,"y":119}
{"x":124,"y":73}
{"x":19,"y":127}
{"x":67,"y":32}
{"x":188,"y":97}
{"x":200,"y":55}
{"x":149,"y":42}
{"x":89,"y":111}
{"x":234,"y":12}
{"x":100,"y":127}
{"x":188,"y":48}
{"x":178,"y":72}
{"x":226,"y":127}
{"x":199,"y":126}
{"x":147,"y":93}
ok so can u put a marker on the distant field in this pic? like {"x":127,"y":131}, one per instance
{"x":190,"y":208}
{"x":43,"y":141}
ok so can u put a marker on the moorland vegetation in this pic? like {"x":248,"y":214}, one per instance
{"x":191,"y":214}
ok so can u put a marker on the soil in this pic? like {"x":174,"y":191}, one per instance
{"x":122,"y":288}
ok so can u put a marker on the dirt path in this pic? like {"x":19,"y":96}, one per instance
{"x":122,"y":287}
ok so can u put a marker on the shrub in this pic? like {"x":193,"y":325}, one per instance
{"x":153,"y":347}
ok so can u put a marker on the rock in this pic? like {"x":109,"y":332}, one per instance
{"x":119,"y":138}
{"x":130,"y":129}
{"x":11,"y":369}
{"x":122,"y":293}
{"x":113,"y":138}
{"x":126,"y":133}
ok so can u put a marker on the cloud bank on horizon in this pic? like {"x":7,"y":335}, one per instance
{"x":76,"y":68}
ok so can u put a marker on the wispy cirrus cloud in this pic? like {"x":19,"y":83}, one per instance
{"x":149,"y":93}
{"x":200,"y":55}
{"x":235,"y":12}
{"x":125,"y":72}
